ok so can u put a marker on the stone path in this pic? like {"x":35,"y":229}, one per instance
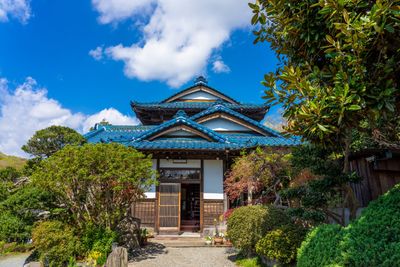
{"x":157,"y":255}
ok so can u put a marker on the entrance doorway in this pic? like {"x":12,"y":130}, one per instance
{"x":190,"y":207}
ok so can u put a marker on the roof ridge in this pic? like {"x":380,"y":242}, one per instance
{"x":200,"y":85}
{"x":180,"y":119}
{"x":224,"y":108}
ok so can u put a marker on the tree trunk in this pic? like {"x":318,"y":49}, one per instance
{"x":249,"y":194}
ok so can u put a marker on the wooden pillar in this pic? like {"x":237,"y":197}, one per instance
{"x":202,"y":196}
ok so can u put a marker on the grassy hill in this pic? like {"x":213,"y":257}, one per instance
{"x":11,"y":161}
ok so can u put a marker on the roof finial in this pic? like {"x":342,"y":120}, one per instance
{"x":180,"y":113}
{"x":200,"y":80}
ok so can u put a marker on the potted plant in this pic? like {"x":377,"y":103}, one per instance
{"x":219,"y":239}
{"x":208,"y":240}
{"x":143,"y":236}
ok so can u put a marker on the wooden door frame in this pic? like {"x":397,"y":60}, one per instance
{"x":179,"y":210}
{"x":157,"y":217}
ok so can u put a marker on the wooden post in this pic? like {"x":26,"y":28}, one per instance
{"x":118,"y":258}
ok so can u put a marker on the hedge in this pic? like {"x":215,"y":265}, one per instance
{"x":371,"y":240}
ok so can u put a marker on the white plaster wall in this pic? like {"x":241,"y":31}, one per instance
{"x":213,"y":179}
{"x":152,"y":191}
{"x":190,"y":163}
{"x":221,"y":124}
{"x":199,"y":95}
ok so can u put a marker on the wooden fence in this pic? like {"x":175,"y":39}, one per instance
{"x":380,"y":170}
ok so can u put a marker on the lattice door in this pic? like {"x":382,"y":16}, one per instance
{"x":169,"y":206}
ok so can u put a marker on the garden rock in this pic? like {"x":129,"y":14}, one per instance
{"x":129,"y":233}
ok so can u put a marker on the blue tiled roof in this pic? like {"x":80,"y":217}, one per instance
{"x":203,"y":85}
{"x":221,"y":107}
{"x":182,"y":119}
{"x":137,"y":136}
{"x":195,"y":105}
{"x":233,"y":141}
{"x":105,"y":133}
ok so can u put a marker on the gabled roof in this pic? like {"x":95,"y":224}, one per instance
{"x":135,"y":136}
{"x":196,"y":105}
{"x":220,"y":107}
{"x":200,"y":87}
{"x":181,"y":122}
{"x":117,"y":133}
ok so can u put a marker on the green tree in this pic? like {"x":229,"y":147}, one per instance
{"x":339,"y":67}
{"x":97,"y":183}
{"x":316,"y":185}
{"x":339,"y":64}
{"x":47,"y":141}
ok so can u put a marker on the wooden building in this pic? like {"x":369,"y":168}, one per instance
{"x":193,"y":137}
{"x":379,"y":170}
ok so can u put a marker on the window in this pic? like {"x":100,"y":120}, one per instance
{"x":180,"y":174}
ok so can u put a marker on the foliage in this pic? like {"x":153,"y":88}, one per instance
{"x":97,"y":243}
{"x":12,"y":228}
{"x":11,"y":161}
{"x":56,"y":242}
{"x":249,"y":224}
{"x":97,"y":183}
{"x":317,"y":184}
{"x":261,"y":169}
{"x":249,"y":262}
{"x":9,"y":174}
{"x":339,"y":64}
{"x":14,"y":247}
{"x":321,"y":246}
{"x":48,"y":141}
{"x":21,"y":209}
{"x":281,"y":244}
{"x":371,"y":240}
{"x":374,"y":238}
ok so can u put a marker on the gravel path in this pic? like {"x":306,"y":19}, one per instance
{"x":185,"y":257}
{"x":13,"y":260}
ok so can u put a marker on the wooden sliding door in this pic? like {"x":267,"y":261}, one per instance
{"x":169,"y":206}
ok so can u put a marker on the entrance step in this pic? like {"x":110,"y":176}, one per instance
{"x":178,"y":241}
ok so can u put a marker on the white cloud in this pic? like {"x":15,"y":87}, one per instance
{"x":27,"y":109}
{"x":220,"y":67}
{"x":111,"y":115}
{"x":117,"y":10}
{"x":97,"y":53}
{"x":179,"y":37}
{"x":19,"y":9}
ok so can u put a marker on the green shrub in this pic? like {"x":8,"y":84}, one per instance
{"x":249,"y":224}
{"x":56,"y":242}
{"x":97,"y":241}
{"x":281,"y":244}
{"x":249,"y":262}
{"x":371,"y":240}
{"x":374,"y":238}
{"x":12,"y":228}
{"x":321,"y":246}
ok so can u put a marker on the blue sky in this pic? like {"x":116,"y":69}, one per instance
{"x":145,"y":52}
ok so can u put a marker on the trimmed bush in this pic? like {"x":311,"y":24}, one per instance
{"x":247,"y":225}
{"x":374,"y":239}
{"x":371,"y":240}
{"x":281,"y":244}
{"x":321,"y":246}
{"x":55,"y":242}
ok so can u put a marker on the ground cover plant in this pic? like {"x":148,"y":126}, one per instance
{"x":371,"y":240}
